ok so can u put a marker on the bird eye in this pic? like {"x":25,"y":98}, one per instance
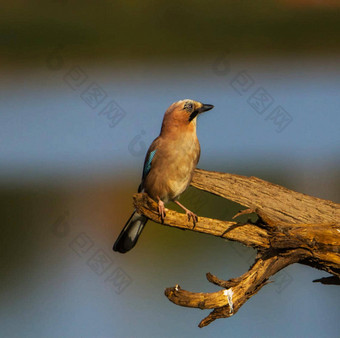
{"x":188,"y":106}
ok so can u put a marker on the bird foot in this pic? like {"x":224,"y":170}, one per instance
{"x":161,"y":210}
{"x":194,"y":217}
{"x":189,"y":213}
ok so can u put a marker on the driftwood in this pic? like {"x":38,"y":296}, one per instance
{"x":291,"y":228}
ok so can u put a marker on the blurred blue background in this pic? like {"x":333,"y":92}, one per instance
{"x":69,"y":166}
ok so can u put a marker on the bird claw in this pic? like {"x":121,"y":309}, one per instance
{"x":161,"y":210}
{"x":194,"y":217}
{"x":189,"y":213}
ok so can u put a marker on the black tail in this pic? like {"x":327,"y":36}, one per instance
{"x":128,"y":237}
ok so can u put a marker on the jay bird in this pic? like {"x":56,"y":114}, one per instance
{"x":168,"y":167}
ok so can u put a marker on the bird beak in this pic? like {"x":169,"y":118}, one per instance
{"x":206,"y":107}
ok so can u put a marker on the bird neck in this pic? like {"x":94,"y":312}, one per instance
{"x":177,"y":128}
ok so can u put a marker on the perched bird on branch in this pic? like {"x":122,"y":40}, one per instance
{"x":168,"y":167}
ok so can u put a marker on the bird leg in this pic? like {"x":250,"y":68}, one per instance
{"x":161,"y":209}
{"x":189,"y":213}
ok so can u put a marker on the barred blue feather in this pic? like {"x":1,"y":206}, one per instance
{"x":147,"y":166}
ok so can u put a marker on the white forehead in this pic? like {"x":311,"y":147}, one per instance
{"x":185,"y":100}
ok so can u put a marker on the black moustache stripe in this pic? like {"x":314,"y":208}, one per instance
{"x":193,"y":115}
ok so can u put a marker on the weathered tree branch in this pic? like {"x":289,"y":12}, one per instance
{"x":292,"y":228}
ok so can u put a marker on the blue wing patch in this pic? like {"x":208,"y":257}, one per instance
{"x":147,"y":166}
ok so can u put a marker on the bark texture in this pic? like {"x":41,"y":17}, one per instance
{"x":291,"y":228}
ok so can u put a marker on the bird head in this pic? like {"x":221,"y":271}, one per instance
{"x":184,"y":113}
{"x":193,"y":108}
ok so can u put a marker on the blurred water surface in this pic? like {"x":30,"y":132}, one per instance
{"x":68,"y":170}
